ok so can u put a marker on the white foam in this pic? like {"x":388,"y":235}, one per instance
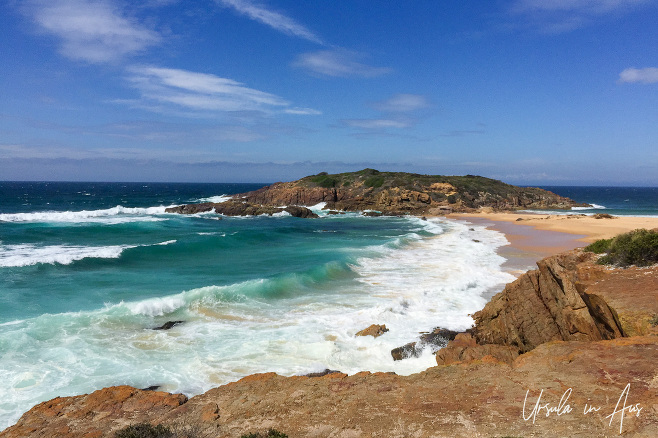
{"x":156,"y":306}
{"x":28,"y":255}
{"x":232,"y":331}
{"x":317,"y":207}
{"x":593,"y":206}
{"x":118,"y":214}
{"x":216,"y":199}
{"x":13,"y":256}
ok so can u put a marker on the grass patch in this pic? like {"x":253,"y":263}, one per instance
{"x":145,"y":430}
{"x":638,"y":247}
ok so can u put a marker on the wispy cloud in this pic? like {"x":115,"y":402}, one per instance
{"x":580,"y":6}
{"x":378,"y":124}
{"x":338,"y":63}
{"x":647,"y":75}
{"x":402,"y":103}
{"x":92,"y":31}
{"x":399,"y":111}
{"x":201,"y":94}
{"x":559,"y":16}
{"x":269,"y":17}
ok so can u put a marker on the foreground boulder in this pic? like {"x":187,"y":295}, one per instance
{"x":547,"y":304}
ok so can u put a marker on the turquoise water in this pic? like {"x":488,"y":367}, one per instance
{"x":87,"y":270}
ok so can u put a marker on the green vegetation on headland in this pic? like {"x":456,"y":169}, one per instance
{"x":638,"y":247}
{"x":390,"y":193}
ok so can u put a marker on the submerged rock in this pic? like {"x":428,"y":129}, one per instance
{"x":374,"y":330}
{"x":168,"y":325}
{"x":412,"y":349}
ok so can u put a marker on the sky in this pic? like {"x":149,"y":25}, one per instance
{"x":533,"y":92}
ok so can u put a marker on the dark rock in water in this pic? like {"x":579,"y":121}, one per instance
{"x":238,"y":208}
{"x":372,"y":213}
{"x":169,"y":324}
{"x":374,"y":330}
{"x":191,"y":208}
{"x":322,"y":373}
{"x":302,"y":212}
{"x":151,"y":388}
{"x":412,"y":349}
{"x":437,"y":339}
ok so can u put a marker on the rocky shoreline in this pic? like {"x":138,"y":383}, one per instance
{"x":551,"y":355}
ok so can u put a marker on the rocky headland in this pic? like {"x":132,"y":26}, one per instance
{"x":391,"y":193}
{"x":567,"y":350}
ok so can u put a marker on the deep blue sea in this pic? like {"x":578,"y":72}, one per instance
{"x":87,"y":270}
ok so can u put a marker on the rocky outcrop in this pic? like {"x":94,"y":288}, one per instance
{"x":390,"y":193}
{"x":95,"y":414}
{"x":544,"y":305}
{"x":464,"y":348}
{"x":191,"y":208}
{"x":241,"y":208}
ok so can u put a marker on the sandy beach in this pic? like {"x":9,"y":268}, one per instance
{"x":535,"y":236}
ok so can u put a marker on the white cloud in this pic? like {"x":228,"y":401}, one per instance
{"x":201,"y":93}
{"x":275,"y":20}
{"x":338,"y":63}
{"x":93,"y":31}
{"x":401,"y":103}
{"x":647,"y":75}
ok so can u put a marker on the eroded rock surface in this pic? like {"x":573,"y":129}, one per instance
{"x":544,"y":305}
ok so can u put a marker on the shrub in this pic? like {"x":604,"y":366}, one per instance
{"x":638,"y":247}
{"x":599,"y":247}
{"x":272,"y":433}
{"x":324,"y":180}
{"x":144,"y":430}
{"x":374,"y":181}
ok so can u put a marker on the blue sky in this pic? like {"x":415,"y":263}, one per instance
{"x":527,"y":91}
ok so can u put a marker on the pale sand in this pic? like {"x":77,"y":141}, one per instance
{"x":588,"y":228}
{"x":537,"y":236}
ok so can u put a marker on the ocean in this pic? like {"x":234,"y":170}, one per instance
{"x":88,"y":270}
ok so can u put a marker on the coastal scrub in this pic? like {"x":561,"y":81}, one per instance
{"x":638,"y":247}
